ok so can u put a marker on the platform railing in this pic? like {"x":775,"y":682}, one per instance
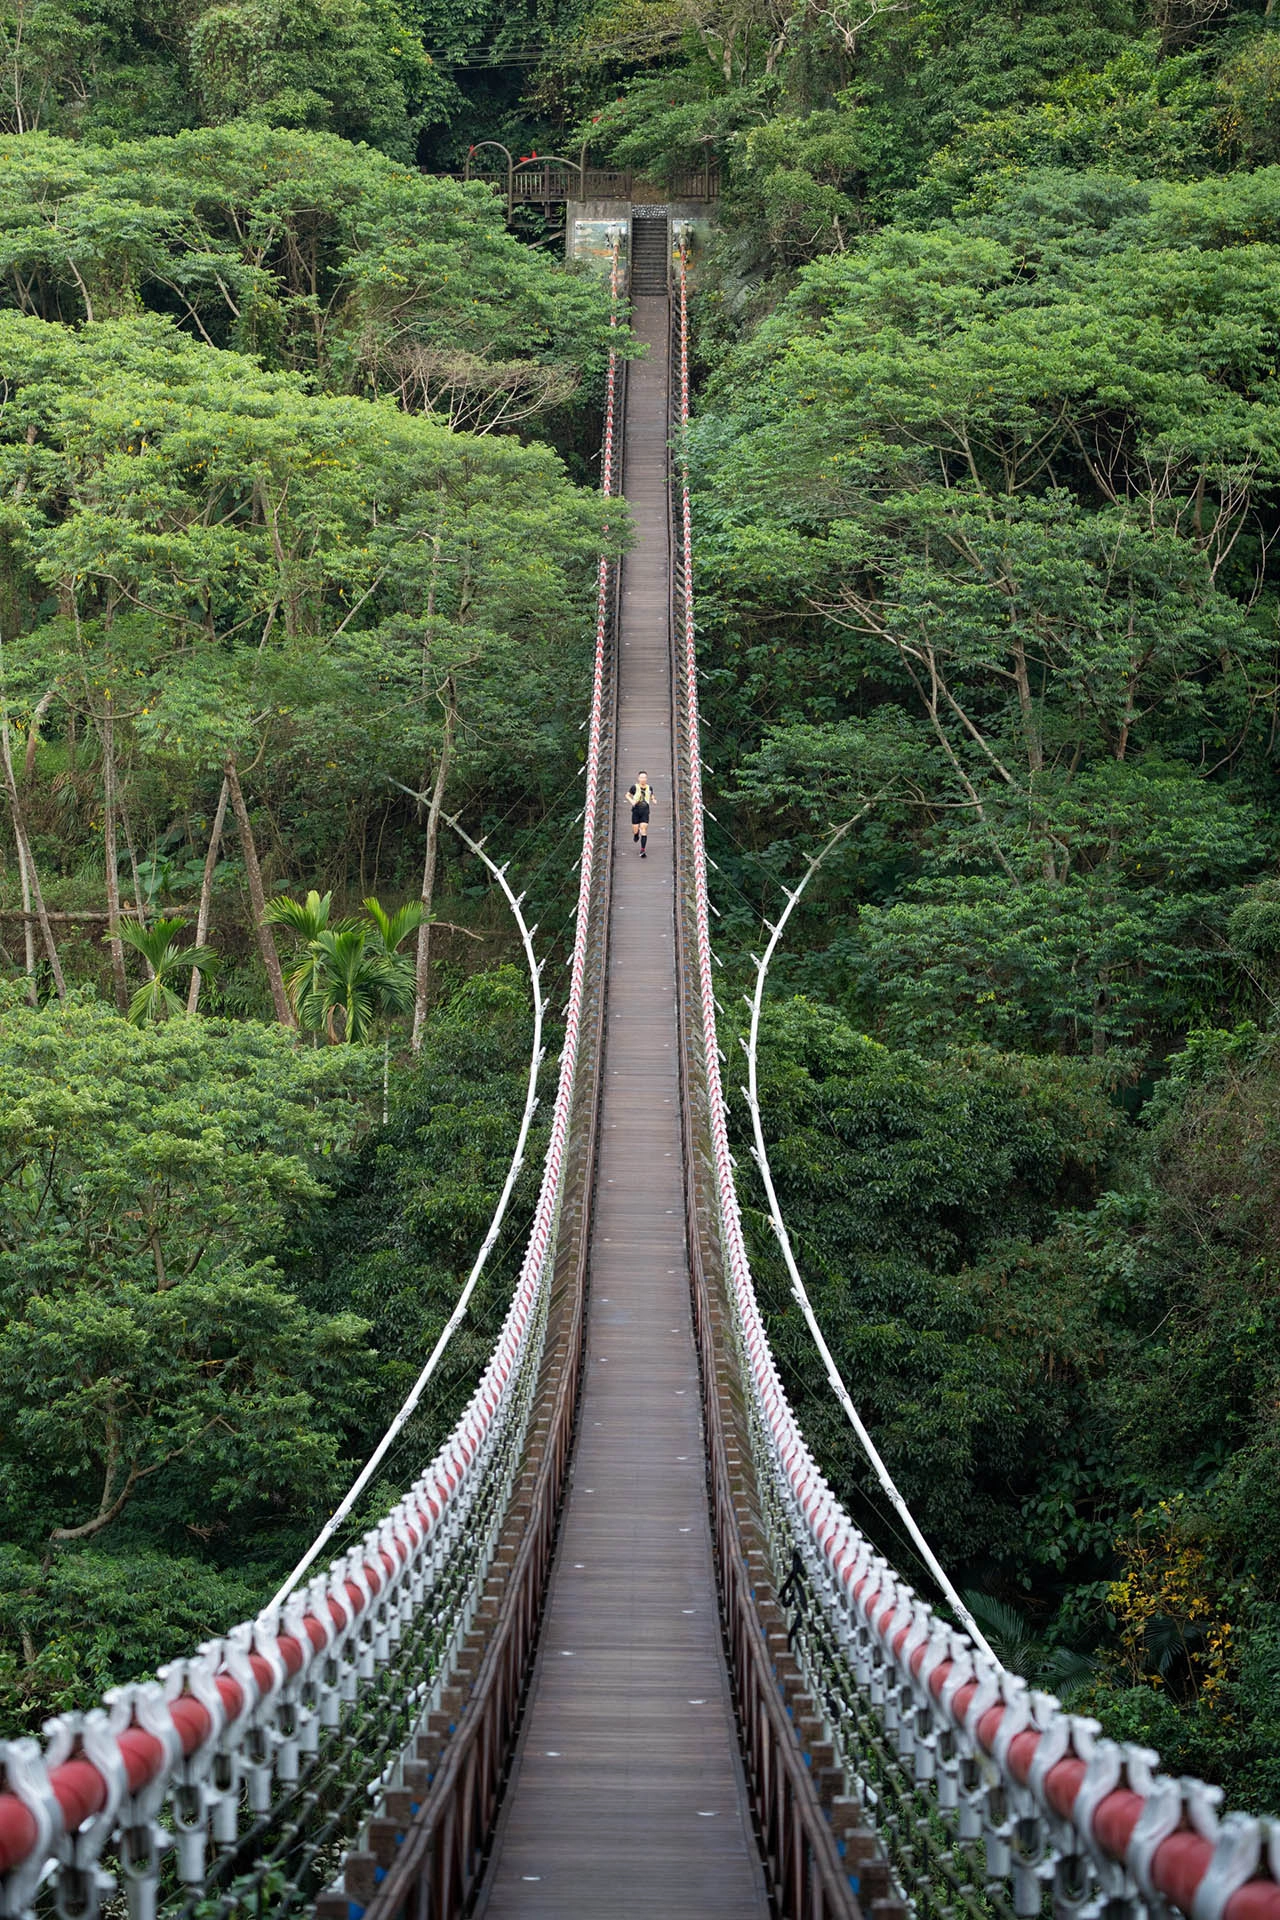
{"x":550,"y":179}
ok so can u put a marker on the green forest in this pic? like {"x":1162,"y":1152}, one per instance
{"x":299,"y":454}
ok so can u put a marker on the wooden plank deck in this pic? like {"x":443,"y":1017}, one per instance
{"x":627,"y":1798}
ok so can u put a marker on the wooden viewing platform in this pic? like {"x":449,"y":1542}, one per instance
{"x":549,"y":181}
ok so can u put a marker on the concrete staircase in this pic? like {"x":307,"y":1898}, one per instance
{"x":650,"y":253}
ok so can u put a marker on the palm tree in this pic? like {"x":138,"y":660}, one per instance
{"x":350,"y":977}
{"x":392,"y":930}
{"x":307,"y":920}
{"x":341,"y":994}
{"x":1061,"y":1669}
{"x":156,"y":1000}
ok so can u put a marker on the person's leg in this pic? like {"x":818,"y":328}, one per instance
{"x":644,"y":835}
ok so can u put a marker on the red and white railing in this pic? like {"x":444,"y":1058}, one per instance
{"x":205,"y":1763}
{"x":1061,"y":1811}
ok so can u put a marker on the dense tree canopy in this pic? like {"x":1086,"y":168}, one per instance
{"x":296,"y":551}
{"x":104,"y":72}
{"x":301,"y":248}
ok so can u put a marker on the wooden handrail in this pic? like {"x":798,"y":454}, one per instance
{"x":553,"y":179}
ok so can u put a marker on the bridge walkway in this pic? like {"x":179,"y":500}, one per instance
{"x":627,"y":1795}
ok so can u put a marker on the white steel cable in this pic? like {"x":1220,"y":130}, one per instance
{"x":548,"y":1198}
{"x":455,"y":1319}
{"x":814,"y":1499}
{"x":799,"y":1292}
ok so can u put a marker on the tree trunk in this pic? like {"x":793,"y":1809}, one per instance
{"x":28,"y":927}
{"x":1027,"y":709}
{"x":24,"y":878}
{"x":27,"y":865}
{"x":109,"y":849}
{"x":437,"y":540}
{"x":206,"y":893}
{"x":139,"y":903}
{"x":258,"y":900}
{"x":422,"y":964}
{"x":28,"y":917}
{"x":33,"y":731}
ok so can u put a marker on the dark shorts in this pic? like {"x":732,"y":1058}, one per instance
{"x":640,"y":814}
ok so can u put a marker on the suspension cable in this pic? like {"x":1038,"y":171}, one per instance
{"x":455,"y":1319}
{"x":753,"y":1324}
{"x":975,"y":1779}
{"x":751,"y":1093}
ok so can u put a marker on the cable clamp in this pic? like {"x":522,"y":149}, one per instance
{"x":27,"y":1778}
{"x":82,"y":1883}
{"x":1237,"y":1849}
{"x":1161,"y":1815}
{"x":142,"y":1838}
{"x":1104,"y":1770}
{"x":193,"y":1794}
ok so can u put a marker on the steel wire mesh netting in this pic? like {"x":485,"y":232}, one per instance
{"x":989,"y":1798}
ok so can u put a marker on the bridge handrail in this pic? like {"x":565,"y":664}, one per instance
{"x":227,"y":1706}
{"x":802,"y":1853}
{"x":235,"y":1727}
{"x":986,"y":1759}
{"x":443,"y":1845}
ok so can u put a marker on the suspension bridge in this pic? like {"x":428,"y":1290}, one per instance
{"x":618,"y":1650}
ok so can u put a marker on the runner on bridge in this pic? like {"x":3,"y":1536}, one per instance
{"x":640,"y":797}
